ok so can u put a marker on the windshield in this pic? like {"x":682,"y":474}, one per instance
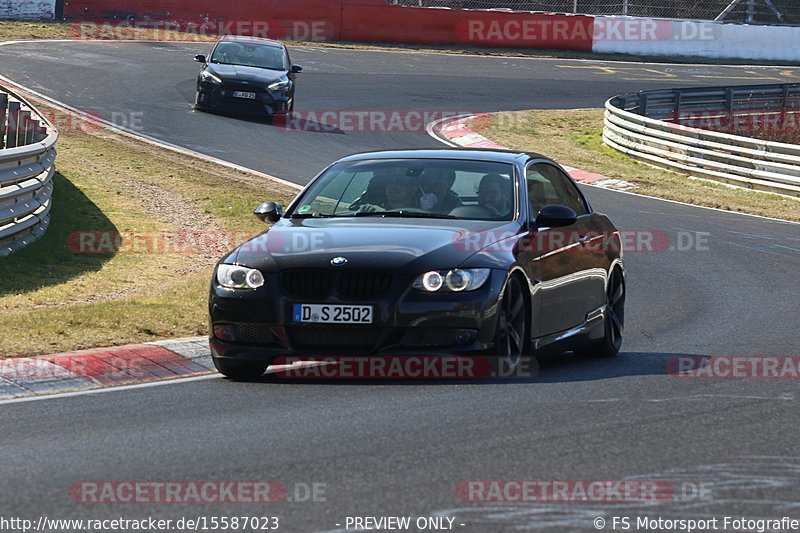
{"x":250,"y":55}
{"x":418,"y":188}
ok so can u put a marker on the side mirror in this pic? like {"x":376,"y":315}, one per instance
{"x":297,"y":69}
{"x":269,"y":212}
{"x":556,"y":216}
{"x":200,"y":58}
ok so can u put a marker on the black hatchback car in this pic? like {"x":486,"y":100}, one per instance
{"x":247,"y":75}
{"x":424,"y":252}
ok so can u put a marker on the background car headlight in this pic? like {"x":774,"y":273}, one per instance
{"x":239,"y":277}
{"x":456,"y":280}
{"x":211,"y":78}
{"x":279,"y":85}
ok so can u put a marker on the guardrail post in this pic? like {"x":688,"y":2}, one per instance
{"x":30,"y":132}
{"x":643,"y":104}
{"x":13,"y":124}
{"x":676,"y":111}
{"x":3,"y":112}
{"x":40,"y":133}
{"x":729,"y":101}
{"x":24,"y":128}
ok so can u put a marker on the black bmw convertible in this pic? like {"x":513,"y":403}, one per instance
{"x":423,"y":252}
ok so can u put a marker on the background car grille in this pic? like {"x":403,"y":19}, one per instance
{"x":307,"y":283}
{"x":364,"y":284}
{"x":235,"y":86}
{"x":356,"y":284}
{"x":336,"y":337}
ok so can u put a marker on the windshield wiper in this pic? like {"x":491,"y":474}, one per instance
{"x":401,"y":214}
{"x":309,"y":215}
{"x":252,"y":66}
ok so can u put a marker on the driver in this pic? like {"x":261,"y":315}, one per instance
{"x":401,"y":192}
{"x":249,"y":54}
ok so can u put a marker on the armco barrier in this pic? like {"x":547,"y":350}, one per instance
{"x":27,"y":164}
{"x":360,"y":21}
{"x":658,"y":127}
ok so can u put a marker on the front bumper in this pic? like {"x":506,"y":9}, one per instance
{"x":219,"y":97}
{"x":259,"y":324}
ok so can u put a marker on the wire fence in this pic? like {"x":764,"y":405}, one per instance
{"x":741,"y":11}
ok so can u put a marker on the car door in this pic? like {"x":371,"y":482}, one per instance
{"x":566,"y":261}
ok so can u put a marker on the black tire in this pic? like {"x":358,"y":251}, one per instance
{"x":197,"y":106}
{"x":614,"y":323}
{"x":283,"y":118}
{"x":240,"y":369}
{"x":512,"y":335}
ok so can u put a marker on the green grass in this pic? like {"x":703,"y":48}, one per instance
{"x":53,"y":299}
{"x":574,"y":138}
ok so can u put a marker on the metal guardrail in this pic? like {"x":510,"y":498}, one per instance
{"x":669,"y":129}
{"x":27,"y":165}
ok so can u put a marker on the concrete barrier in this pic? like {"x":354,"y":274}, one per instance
{"x":28,"y":9}
{"x":354,"y":20}
{"x":669,"y":37}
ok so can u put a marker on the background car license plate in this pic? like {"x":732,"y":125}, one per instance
{"x":243,"y":94}
{"x":333,"y":314}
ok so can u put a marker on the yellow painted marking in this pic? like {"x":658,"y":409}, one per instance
{"x":651,"y":74}
{"x":624,"y":70}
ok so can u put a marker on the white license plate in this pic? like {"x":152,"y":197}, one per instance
{"x":243,"y":94}
{"x":332,"y":314}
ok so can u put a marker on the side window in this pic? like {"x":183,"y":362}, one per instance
{"x":548,"y":185}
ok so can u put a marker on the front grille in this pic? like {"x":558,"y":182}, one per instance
{"x":364,"y":284}
{"x":307,"y":283}
{"x":353,"y":284}
{"x":335,"y":337}
{"x":235,"y":86}
{"x":422,"y":337}
{"x":254,"y":334}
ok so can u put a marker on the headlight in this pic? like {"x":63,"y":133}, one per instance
{"x":456,"y":280}
{"x":278,"y":85}
{"x":211,"y":78}
{"x":239,"y":277}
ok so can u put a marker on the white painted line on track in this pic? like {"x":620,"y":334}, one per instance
{"x":137,"y":135}
{"x":72,"y":394}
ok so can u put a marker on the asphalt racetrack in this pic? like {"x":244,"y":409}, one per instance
{"x":728,"y":447}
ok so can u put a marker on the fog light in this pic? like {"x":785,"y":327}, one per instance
{"x":225,"y":332}
{"x":465,"y":336}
